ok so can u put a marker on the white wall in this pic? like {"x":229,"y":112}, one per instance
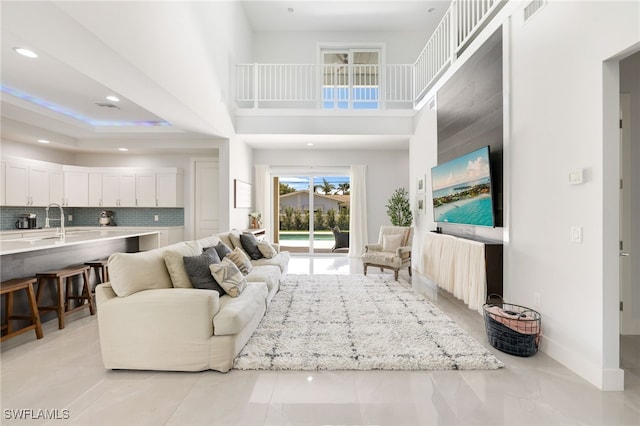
{"x":424,"y":155}
{"x":240,"y":167}
{"x":557,"y":126}
{"x":386,"y":171}
{"x":35,"y":152}
{"x":555,"y":113}
{"x":302,"y":47}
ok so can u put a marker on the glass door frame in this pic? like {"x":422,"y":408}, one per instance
{"x":309,"y":173}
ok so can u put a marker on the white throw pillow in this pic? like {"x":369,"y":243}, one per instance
{"x":391,"y":243}
{"x":227,"y":274}
{"x":241,"y":260}
{"x":266,"y":249}
{"x":133,"y":272}
{"x":175,"y":264}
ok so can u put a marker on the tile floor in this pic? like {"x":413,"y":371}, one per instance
{"x":63,"y":373}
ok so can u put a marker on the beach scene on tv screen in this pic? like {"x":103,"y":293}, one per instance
{"x":462,"y":190}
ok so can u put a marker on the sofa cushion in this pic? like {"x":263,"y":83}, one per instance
{"x":207,"y":242}
{"x":175,"y":264}
{"x":199,"y":273}
{"x":266,"y":249}
{"x":133,"y":272}
{"x":227,"y":274}
{"x":241,"y":260}
{"x":250,"y":245}
{"x":269,"y":274}
{"x":281,"y":260}
{"x":236,"y":312}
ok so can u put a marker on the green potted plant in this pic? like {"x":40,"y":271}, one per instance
{"x":399,"y":209}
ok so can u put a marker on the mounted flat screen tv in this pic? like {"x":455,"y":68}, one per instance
{"x":461,"y":190}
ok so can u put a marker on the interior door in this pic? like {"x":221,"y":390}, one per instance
{"x":206,"y":198}
{"x":629,"y":288}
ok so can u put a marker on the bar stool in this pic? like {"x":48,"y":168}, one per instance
{"x":101,"y":270}
{"x":63,"y":307}
{"x":9,"y":287}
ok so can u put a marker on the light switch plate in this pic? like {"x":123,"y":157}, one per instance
{"x":576,"y":177}
{"x":576,"y":234}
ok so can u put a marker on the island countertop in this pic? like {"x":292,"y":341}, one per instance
{"x":47,"y":239}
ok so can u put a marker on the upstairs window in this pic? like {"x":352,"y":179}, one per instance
{"x":350,"y":78}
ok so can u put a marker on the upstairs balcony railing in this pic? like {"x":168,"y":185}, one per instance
{"x":365,"y":86}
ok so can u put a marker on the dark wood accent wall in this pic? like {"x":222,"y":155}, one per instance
{"x":470,"y":113}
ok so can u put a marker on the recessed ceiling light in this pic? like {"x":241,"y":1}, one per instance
{"x":43,"y":141}
{"x":26,"y":52}
{"x":431,"y":9}
{"x":113,"y":98}
{"x":123,"y":149}
{"x":310,"y":144}
{"x":290,"y":9}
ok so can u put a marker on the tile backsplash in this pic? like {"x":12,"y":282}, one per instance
{"x":88,"y":216}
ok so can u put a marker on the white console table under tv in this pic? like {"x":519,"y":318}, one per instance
{"x":468,"y":269}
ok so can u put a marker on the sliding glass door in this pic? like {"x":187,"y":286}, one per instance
{"x":309,"y":207}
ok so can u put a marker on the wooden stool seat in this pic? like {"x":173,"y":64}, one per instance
{"x":101,"y":270}
{"x":9,"y":288}
{"x":63,"y":307}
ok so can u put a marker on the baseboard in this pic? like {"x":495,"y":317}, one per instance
{"x":606,"y":379}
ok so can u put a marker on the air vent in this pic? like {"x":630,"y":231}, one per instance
{"x":107,"y":105}
{"x":532,"y":8}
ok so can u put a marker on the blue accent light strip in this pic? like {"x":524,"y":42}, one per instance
{"x":80,"y":117}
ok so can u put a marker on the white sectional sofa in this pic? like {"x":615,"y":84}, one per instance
{"x":151,"y":318}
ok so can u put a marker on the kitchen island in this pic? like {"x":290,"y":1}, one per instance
{"x":25,"y":253}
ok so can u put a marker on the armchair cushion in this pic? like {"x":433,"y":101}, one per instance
{"x":391,"y":243}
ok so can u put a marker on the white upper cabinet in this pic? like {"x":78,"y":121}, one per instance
{"x":146,"y":190}
{"x":31,"y":184}
{"x":36,"y":183}
{"x":76,"y":188}
{"x":95,"y":189}
{"x":118,"y":190}
{"x":170,"y":189}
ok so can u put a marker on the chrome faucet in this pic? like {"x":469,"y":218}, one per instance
{"x":47,"y":220}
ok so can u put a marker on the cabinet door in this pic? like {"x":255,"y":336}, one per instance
{"x":56,"y":187}
{"x":17,"y":185}
{"x":38,"y":186}
{"x":95,"y":189}
{"x":110,"y":190}
{"x":127,"y":191}
{"x":146,"y":190}
{"x":169,"y":189}
{"x":76,"y":189}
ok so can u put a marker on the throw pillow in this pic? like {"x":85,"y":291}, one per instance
{"x":391,"y":243}
{"x":234,"y":236}
{"x":250,"y":245}
{"x":241,"y":260}
{"x":175,"y":264}
{"x":199,"y":273}
{"x":229,"y":276}
{"x":266,"y":249}
{"x":222,"y":249}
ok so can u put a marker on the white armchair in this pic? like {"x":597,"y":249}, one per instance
{"x":392,"y":251}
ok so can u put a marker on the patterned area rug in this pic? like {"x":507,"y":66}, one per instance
{"x":353,"y":322}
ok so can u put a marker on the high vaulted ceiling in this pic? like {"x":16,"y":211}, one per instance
{"x":154,"y":56}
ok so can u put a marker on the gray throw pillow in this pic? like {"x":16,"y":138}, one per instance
{"x":222,"y":249}
{"x":197,"y":268}
{"x":250,"y":245}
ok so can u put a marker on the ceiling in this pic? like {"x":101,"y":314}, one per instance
{"x":88,"y":50}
